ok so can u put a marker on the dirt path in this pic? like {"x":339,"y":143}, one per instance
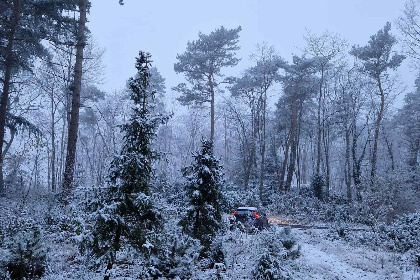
{"x":288,"y":223}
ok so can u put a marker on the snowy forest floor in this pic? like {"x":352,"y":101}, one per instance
{"x":325,"y":252}
{"x":322,"y":257}
{"x":325,"y":258}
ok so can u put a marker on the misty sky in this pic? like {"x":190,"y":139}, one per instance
{"x":164,"y":27}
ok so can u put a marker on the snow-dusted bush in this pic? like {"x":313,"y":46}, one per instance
{"x":177,"y":253}
{"x":317,"y":185}
{"x":402,"y":235}
{"x":268,"y":268}
{"x":338,"y":231}
{"x":303,"y":206}
{"x":217,"y":254}
{"x":277,"y":251}
{"x":26,"y":255}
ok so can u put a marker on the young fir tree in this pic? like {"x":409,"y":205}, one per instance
{"x":126,"y":214}
{"x":204,"y":180}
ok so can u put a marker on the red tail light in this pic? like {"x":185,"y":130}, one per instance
{"x":234,"y":213}
{"x":256,"y":215}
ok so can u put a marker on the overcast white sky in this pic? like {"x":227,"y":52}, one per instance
{"x":164,"y":27}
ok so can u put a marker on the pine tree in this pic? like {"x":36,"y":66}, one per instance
{"x":204,"y":180}
{"x":127,"y":214}
{"x":377,"y":59}
{"x":202,"y":63}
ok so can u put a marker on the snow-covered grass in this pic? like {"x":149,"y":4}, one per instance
{"x":324,"y":257}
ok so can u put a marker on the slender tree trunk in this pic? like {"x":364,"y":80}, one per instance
{"x":246,"y":166}
{"x":292,"y":164}
{"x":48,"y":170}
{"x":319,"y":130}
{"x":347,"y":169}
{"x":226,"y":142}
{"x":390,"y":152}
{"x":327,"y":165}
{"x":357,"y":164}
{"x":211,"y":110}
{"x":377,"y":127}
{"x":298,"y":150}
{"x":255,"y":127}
{"x":262,"y":167}
{"x":286,"y":158}
{"x":414,"y":153}
{"x":74,"y":120}
{"x":304,"y":171}
{"x":326,"y":138}
{"x":298,"y":166}
{"x":53,"y":183}
{"x":6,"y":83}
{"x":293,"y":129}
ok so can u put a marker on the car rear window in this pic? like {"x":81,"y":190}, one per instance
{"x":244,"y":212}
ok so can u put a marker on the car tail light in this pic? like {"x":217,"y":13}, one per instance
{"x":256,"y":215}
{"x":234,"y":213}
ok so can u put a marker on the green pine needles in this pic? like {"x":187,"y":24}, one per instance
{"x":125,"y":214}
{"x":204,"y":180}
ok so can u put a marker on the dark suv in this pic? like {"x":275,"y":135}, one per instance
{"x":250,"y":217}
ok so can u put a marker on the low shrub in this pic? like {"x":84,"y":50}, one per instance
{"x":27,"y":255}
{"x":402,"y":235}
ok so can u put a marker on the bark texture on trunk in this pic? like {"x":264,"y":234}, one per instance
{"x":293,"y":133}
{"x":377,"y":127}
{"x":211,"y":110}
{"x":75,"y":106}
{"x":262,"y":167}
{"x":347,"y":167}
{"x":6,"y":83}
{"x":319,"y":126}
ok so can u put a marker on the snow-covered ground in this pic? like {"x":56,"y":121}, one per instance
{"x":321,"y":257}
{"x":324,"y":258}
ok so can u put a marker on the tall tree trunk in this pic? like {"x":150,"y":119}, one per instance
{"x":53,"y":183}
{"x":254,"y":125}
{"x":292,"y":164}
{"x":347,"y":168}
{"x":357,"y":164}
{"x":226,"y":142}
{"x":304,"y":171}
{"x":6,"y":83}
{"x":293,"y":129}
{"x":326,"y":138}
{"x":286,"y":158}
{"x":319,"y":130}
{"x":211,"y":110}
{"x":327,"y":165}
{"x":75,"y":106}
{"x":298,"y":150}
{"x":262,"y":167}
{"x":65,"y":117}
{"x":377,"y":127}
{"x":414,"y":153}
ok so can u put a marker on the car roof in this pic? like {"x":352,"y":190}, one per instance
{"x":247,"y":208}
